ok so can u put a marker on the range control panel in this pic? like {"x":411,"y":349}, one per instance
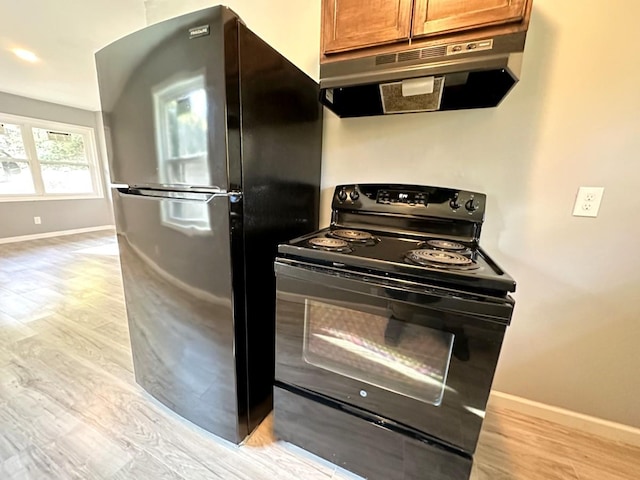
{"x":416,"y":200}
{"x":397,"y":196}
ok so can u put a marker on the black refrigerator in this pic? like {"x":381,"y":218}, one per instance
{"x":214,"y":143}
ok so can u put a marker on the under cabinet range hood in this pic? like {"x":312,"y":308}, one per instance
{"x":476,"y":73}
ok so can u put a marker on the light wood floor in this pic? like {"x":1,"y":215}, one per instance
{"x":69,"y":407}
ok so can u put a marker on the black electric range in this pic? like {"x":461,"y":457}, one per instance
{"x":415,"y":232}
{"x":389,"y":326}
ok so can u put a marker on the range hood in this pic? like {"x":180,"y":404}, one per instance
{"x":477,"y":73}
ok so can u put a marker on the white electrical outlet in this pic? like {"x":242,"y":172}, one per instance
{"x":37,"y":220}
{"x":588,"y":201}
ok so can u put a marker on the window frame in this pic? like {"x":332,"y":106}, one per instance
{"x":27,"y":124}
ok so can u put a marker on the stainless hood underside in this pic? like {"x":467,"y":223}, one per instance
{"x":453,"y":76}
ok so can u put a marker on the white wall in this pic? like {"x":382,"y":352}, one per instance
{"x":573,"y":120}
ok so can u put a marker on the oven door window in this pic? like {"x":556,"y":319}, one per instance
{"x":398,"y":356}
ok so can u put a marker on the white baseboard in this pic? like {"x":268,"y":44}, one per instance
{"x":37,"y":236}
{"x":585,"y":423}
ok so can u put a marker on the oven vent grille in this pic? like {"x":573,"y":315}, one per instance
{"x":411,"y":55}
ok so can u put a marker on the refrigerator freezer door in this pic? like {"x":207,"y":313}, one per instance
{"x":176,"y":266}
{"x":164,"y":102}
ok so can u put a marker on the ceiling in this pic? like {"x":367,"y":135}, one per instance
{"x":64,"y":34}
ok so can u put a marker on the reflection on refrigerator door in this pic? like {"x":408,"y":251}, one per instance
{"x":180,"y":114}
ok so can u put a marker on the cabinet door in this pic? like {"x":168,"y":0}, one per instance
{"x":352,"y":24}
{"x":432,"y":17}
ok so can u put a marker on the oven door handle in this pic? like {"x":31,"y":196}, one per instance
{"x":494,"y":309}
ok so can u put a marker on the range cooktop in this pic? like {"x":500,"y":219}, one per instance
{"x":425,"y":258}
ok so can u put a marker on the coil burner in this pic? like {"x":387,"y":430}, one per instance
{"x":440,"y":259}
{"x":439,"y":244}
{"x":331,"y":244}
{"x":354,"y":236}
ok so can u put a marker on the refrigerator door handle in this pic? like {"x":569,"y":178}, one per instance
{"x":204,"y":197}
{"x":234,"y":197}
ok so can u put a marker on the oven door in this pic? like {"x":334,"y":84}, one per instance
{"x":422,"y":356}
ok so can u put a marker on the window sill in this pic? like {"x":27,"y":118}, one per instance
{"x":32,"y":198}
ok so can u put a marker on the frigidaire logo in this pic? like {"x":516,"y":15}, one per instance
{"x":199,"y":31}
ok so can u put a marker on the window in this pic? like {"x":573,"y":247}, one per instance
{"x":45,"y":160}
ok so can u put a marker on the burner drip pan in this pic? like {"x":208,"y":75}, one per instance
{"x":440,"y":259}
{"x":440,"y":244}
{"x":356,"y":236}
{"x":332,"y":244}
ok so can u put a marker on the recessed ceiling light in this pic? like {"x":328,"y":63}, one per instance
{"x":25,"y":55}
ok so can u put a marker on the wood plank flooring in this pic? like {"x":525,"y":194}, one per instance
{"x":70,"y":409}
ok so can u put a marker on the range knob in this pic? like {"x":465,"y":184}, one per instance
{"x":342,"y":195}
{"x":472,"y":205}
{"x":354,"y":195}
{"x":454,"y":203}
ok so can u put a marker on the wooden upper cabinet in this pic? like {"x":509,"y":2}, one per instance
{"x":433,"y":17}
{"x":352,"y":24}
